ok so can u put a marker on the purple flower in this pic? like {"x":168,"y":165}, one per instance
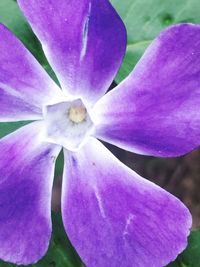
{"x":112,"y":216}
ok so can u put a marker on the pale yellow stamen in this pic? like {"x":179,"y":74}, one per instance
{"x":77,"y":114}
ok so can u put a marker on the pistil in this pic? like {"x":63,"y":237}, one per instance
{"x":77,"y":114}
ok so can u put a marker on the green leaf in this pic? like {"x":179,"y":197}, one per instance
{"x":59,"y":165}
{"x":60,"y":252}
{"x":8,"y":127}
{"x":145,"y":19}
{"x":133,"y":54}
{"x":191,"y":256}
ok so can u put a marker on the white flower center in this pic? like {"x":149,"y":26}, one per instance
{"x":67,"y":124}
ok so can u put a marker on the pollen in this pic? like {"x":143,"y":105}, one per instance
{"x":77,"y":114}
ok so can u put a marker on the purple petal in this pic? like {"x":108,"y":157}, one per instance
{"x":27,"y":170}
{"x":156,"y":110}
{"x":114,"y":217}
{"x":24,"y":85}
{"x":84,"y":42}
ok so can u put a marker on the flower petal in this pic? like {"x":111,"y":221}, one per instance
{"x":26,"y":177}
{"x":114,"y":217}
{"x":155,"y":111}
{"x":24,"y":85}
{"x":84,"y":42}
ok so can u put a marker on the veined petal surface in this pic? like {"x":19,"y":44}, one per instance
{"x":156,"y":110}
{"x":114,"y":217}
{"x":84,"y":42}
{"x":24,"y":85}
{"x":26,"y":178}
